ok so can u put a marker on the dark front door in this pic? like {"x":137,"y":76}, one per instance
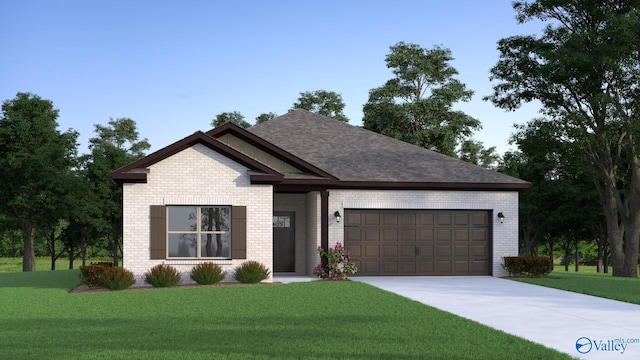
{"x":284,"y":242}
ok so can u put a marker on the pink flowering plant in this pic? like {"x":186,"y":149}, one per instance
{"x":339,"y":265}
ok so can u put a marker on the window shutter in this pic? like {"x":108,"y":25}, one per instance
{"x":239,"y":232}
{"x":158,"y":232}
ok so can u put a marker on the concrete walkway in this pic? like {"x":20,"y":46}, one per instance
{"x":561,"y":320}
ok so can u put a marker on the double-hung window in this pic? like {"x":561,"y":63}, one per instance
{"x":199,"y":232}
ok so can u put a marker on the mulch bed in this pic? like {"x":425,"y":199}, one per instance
{"x":83,"y":289}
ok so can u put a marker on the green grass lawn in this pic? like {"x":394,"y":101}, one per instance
{"x":321,"y":320}
{"x":42,"y":263}
{"x":591,"y":283}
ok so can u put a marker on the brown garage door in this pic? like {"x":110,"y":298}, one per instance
{"x":419,"y":242}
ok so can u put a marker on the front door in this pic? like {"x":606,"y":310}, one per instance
{"x":283,"y":242}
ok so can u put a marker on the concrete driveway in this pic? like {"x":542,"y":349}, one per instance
{"x":583,"y":326}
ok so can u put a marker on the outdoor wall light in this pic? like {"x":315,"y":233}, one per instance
{"x":501,"y":217}
{"x":337,"y":216}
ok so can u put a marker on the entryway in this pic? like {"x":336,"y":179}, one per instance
{"x":284,"y":242}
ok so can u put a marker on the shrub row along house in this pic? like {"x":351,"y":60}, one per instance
{"x":276,"y":191}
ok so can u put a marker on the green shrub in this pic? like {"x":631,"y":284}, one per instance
{"x":163,"y":276}
{"x":207,"y":273}
{"x":251,"y":272}
{"x":533,"y":266}
{"x":91,"y":275}
{"x":117,"y":278}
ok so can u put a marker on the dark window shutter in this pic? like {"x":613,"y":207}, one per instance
{"x":158,"y":232}
{"x":239,"y":232}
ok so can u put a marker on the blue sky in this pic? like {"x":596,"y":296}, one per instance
{"x":173,"y":65}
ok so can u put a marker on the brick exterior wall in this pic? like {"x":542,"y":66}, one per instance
{"x":196,"y":176}
{"x":505,"y":235}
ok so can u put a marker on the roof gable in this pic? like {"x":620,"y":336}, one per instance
{"x":135,"y":172}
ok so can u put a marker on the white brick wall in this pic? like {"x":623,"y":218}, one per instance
{"x":505,"y":235}
{"x":196,"y":176}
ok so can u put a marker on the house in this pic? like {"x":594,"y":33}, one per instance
{"x":276,"y":191}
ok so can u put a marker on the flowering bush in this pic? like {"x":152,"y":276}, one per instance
{"x":339,"y":265}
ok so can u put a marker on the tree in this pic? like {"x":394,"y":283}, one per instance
{"x":474,"y":152}
{"x":115,"y":145}
{"x":327,"y":103}
{"x":265,"y":117}
{"x":232,"y":117}
{"x":34,"y":157}
{"x":584,"y":69}
{"x":416,"y":105}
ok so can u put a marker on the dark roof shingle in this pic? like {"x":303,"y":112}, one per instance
{"x":352,"y":153}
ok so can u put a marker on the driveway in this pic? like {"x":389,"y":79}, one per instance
{"x":583,"y":326}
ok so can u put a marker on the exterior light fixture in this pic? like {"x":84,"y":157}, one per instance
{"x":337,"y":216}
{"x":501,"y":217}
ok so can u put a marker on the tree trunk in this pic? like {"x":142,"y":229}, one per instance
{"x":577,"y":256}
{"x":600,"y":265}
{"x":28,"y":254}
{"x":71,"y":256}
{"x":52,"y":249}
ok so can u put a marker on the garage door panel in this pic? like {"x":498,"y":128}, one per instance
{"x":390,"y":267}
{"x":443,"y":267}
{"x":426,"y":250}
{"x":480,"y":235}
{"x":371,"y":234}
{"x":371,"y":218}
{"x":390,"y":235}
{"x":461,"y":266}
{"x":408,"y":235}
{"x":462,"y":235}
{"x":408,"y":250}
{"x":461,"y":250}
{"x":390,"y":219}
{"x":408,"y":267}
{"x":419,"y":242}
{"x":389,"y":251}
{"x":443,"y":250}
{"x":372,"y":251}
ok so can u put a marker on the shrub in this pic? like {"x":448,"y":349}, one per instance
{"x":91,"y":275}
{"x":163,"y":276}
{"x":117,"y":278}
{"x":207,"y":273}
{"x":251,"y":272}
{"x":533,"y":266}
{"x":339,"y":264}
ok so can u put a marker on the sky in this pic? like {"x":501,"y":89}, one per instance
{"x":172,"y":66}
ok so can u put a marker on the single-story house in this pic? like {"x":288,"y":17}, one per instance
{"x":277,"y":191}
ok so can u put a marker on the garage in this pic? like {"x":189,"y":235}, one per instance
{"x":419,"y":242}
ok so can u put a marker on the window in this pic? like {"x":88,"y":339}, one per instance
{"x":199,"y":232}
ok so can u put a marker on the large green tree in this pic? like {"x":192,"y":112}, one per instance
{"x":114,"y":146}
{"x":232,"y":117}
{"x":34,"y":160}
{"x":585,"y":69}
{"x":416,"y":106}
{"x":323,"y":102}
{"x":265,"y":117}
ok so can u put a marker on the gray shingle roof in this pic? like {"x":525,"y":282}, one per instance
{"x":351,"y":153}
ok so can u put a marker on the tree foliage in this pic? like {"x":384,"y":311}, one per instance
{"x":232,"y":117}
{"x":416,"y":106}
{"x":114,"y":146}
{"x":265,"y":117}
{"x":35,"y":160}
{"x":585,"y":71}
{"x":474,"y":152}
{"x":327,"y":103}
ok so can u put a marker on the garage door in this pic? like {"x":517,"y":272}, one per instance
{"x":419,"y":242}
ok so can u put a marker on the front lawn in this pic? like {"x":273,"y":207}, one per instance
{"x":319,"y":320}
{"x":591,"y":283}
